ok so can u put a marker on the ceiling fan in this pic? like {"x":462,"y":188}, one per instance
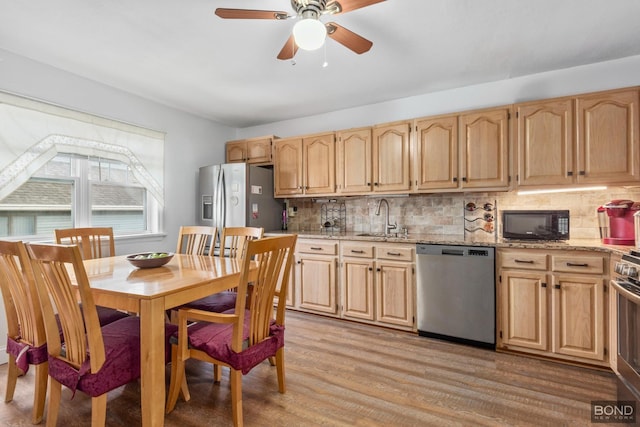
{"x":309,"y":32}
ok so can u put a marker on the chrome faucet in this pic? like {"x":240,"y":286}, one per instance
{"x":388,"y":226}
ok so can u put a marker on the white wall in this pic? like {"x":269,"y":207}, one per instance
{"x":190,"y":141}
{"x":589,"y":78}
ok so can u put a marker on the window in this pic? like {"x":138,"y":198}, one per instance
{"x":77,"y":191}
{"x":62,"y":168}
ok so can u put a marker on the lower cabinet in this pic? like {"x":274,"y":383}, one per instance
{"x":377,"y":283}
{"x":316,"y":276}
{"x":554,"y":304}
{"x":356,"y":280}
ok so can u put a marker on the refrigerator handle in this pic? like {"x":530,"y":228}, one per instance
{"x":216,"y":211}
{"x":223,"y":201}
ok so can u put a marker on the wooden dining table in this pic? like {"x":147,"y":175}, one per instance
{"x":115,"y":283}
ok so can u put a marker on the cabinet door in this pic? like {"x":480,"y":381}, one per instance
{"x":579,"y":316}
{"x":394,"y":293}
{"x":259,"y":151}
{"x":319,"y":161}
{"x":545,"y":143}
{"x":357,"y":288}
{"x":523,"y":301}
{"x":608,"y":137}
{"x":436,"y":165}
{"x":484,"y":145}
{"x":288,"y":167}
{"x":354,"y":161}
{"x":236,"y":151}
{"x":318,"y":284}
{"x":391,"y":158}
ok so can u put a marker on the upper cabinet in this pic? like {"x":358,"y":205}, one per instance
{"x":607,"y":135}
{"x":545,"y":142}
{"x":305,"y":166}
{"x":484,"y":151}
{"x":460,"y":152}
{"x":353,"y":161}
{"x":436,"y":153}
{"x":391,"y":156}
{"x":590,"y":139}
{"x":254,"y":151}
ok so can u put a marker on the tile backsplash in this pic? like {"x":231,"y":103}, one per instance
{"x":443,"y":214}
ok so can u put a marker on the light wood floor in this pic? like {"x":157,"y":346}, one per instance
{"x":345,"y":374}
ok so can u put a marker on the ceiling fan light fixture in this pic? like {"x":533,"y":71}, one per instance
{"x":309,"y":33}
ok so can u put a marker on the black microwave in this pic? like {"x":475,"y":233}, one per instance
{"x":535,"y":225}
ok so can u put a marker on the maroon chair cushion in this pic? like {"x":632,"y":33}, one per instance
{"x":216,"y":303}
{"x":109,"y":315}
{"x":26,"y":354}
{"x":122,"y":364}
{"x":215,"y":340}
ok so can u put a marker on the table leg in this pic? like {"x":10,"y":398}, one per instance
{"x":152,"y":362}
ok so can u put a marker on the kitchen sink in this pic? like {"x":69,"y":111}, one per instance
{"x":373,"y":235}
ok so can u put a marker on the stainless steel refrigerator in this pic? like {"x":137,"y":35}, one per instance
{"x":238,"y":195}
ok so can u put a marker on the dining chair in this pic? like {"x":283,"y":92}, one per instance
{"x":233,"y":243}
{"x":94,"y":242}
{"x":245,"y":336}
{"x":196,"y":240}
{"x":88,"y":357}
{"x":26,"y":339}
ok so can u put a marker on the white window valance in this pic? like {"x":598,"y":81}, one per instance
{"x":33,"y":132}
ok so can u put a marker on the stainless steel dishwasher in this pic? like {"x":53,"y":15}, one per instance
{"x":456,"y":293}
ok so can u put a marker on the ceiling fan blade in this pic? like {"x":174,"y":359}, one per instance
{"x":349,"y":39}
{"x":343,"y":6}
{"x":250,"y":14}
{"x":289,"y":49}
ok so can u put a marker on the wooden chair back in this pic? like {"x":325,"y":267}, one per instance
{"x":94,"y":242}
{"x":57,"y":292}
{"x":196,"y":240}
{"x":235,"y":239}
{"x":25,"y":324}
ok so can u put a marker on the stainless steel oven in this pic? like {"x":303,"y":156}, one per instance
{"x":627,"y":283}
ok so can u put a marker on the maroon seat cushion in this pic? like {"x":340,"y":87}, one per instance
{"x":26,"y":354}
{"x":109,"y":315}
{"x":122,"y":359}
{"x":215,"y":340}
{"x":216,"y":303}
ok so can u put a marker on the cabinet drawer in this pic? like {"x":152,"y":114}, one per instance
{"x":578,"y":264}
{"x":523,"y":260}
{"x":395,"y":253}
{"x":317,"y":247}
{"x":358,"y":250}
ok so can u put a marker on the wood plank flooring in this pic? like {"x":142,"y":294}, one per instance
{"x":341,"y":373}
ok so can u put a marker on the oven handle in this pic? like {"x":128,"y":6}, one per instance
{"x":625,"y":292}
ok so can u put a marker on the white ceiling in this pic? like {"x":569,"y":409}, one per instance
{"x":177,"y":52}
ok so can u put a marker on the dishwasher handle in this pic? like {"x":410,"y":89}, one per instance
{"x":456,"y":252}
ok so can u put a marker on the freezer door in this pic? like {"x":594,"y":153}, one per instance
{"x":263,"y":210}
{"x":205,"y":208}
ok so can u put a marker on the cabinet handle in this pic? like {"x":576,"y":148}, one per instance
{"x":370,"y":268}
{"x":556,"y":286}
{"x":315,"y":249}
{"x":300,"y":188}
{"x":368,"y":184}
{"x":524,"y":261}
{"x":378,"y":269}
{"x":375,"y":184}
{"x":464,"y":179}
{"x":569,"y":173}
{"x":356,"y":252}
{"x":575,"y":264}
{"x":582,"y":173}
{"x":394,"y":253}
{"x":544,"y":285}
{"x":455,"y":179}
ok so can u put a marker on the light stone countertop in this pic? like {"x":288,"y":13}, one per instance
{"x":573,"y":244}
